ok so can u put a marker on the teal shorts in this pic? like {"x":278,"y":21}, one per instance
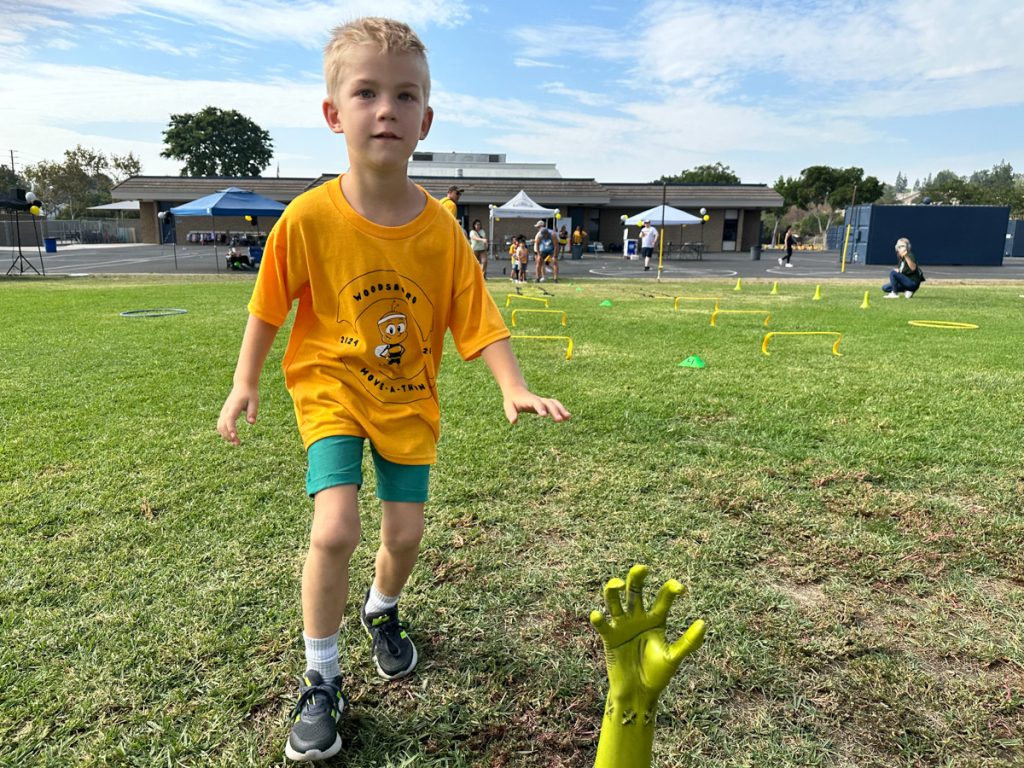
{"x":338,"y":460}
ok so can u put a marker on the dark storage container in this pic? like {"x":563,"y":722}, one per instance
{"x":952,"y":235}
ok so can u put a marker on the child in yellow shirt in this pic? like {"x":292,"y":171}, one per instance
{"x":380,"y":273}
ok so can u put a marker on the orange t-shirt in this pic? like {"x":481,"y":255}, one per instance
{"x":375,"y":303}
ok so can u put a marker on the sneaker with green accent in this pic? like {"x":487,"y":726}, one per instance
{"x":314,"y":734}
{"x":393,"y":649}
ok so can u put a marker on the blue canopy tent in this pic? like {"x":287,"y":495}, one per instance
{"x":229,"y":202}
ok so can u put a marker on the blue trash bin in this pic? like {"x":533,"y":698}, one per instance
{"x":50,"y":244}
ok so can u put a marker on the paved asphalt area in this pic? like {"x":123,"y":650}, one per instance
{"x":80,"y":260}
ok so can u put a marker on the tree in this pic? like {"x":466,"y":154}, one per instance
{"x":9,"y":180}
{"x":822,"y":190}
{"x":217,"y":142}
{"x":947,"y":187}
{"x":81,"y":180}
{"x":705,"y":174}
{"x":901,"y":183}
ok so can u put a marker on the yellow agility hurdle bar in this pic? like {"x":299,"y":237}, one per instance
{"x":835,"y":347}
{"x":675,"y":304}
{"x":510,"y":296}
{"x":941,"y":324}
{"x":717,"y":312}
{"x":539,"y":312}
{"x":568,"y":351}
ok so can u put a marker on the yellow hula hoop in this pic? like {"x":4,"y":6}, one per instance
{"x":941,"y":324}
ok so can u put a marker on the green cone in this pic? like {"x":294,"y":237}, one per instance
{"x":606,"y":303}
{"x":693,"y":361}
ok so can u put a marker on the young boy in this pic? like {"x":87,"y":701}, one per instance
{"x":380,"y":272}
{"x":523,"y":258}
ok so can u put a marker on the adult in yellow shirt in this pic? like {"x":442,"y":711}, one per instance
{"x":451,"y":201}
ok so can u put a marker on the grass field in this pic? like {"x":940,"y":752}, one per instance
{"x":851,"y":529}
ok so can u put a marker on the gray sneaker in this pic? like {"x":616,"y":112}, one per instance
{"x":314,"y":734}
{"x":394,"y":652}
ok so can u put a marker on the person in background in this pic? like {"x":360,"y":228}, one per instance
{"x":577,"y":242}
{"x":788,"y":240}
{"x":451,"y":201}
{"x":907,"y":277}
{"x":478,"y":242}
{"x":546,"y":247}
{"x":648,"y":239}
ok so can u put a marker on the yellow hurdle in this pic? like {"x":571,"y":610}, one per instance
{"x":568,"y":351}
{"x":717,"y":312}
{"x":539,"y":312}
{"x":941,"y":324}
{"x":675,"y":304}
{"x":510,"y":296}
{"x":835,"y":347}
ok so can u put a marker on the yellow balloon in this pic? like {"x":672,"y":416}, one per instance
{"x":35,"y":210}
{"x":248,"y":218}
{"x":706,"y":217}
{"x":558,"y":215}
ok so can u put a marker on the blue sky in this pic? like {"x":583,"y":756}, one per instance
{"x":612,"y":91}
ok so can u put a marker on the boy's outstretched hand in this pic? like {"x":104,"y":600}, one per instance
{"x":527,"y":402}
{"x":639,"y":659}
{"x":238,"y":401}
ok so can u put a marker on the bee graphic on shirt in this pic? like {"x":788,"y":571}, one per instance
{"x":393,"y":328}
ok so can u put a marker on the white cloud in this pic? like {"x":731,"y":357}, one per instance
{"x":527,"y":63}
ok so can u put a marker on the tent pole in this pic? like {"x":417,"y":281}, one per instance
{"x":490,"y":234}
{"x":216,"y":258}
{"x":661,"y":234}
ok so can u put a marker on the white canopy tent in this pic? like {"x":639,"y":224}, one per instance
{"x":519,"y":207}
{"x":123,"y":205}
{"x":662,"y":216}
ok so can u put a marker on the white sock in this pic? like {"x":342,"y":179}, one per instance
{"x":322,"y":655}
{"x":377,"y":602}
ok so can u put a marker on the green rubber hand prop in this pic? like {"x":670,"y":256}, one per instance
{"x":640,"y":664}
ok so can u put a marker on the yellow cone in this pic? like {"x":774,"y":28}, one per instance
{"x":739,"y":284}
{"x":775,"y":287}
{"x":865,"y":304}
{"x":817,"y":293}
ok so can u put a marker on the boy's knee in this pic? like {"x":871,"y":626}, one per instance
{"x":337,"y":541}
{"x":403,"y":539}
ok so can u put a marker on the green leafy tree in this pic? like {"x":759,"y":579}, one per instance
{"x":901,"y":184}
{"x":82,"y":179}
{"x":948,"y":188}
{"x":9,"y":180}
{"x":705,"y":174}
{"x":216,"y":142}
{"x":823,"y":191}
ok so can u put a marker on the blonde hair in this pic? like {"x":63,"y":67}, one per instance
{"x":388,"y":35}
{"x":904,"y":241}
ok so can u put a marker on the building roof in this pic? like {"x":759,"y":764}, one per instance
{"x":479,"y":190}
{"x":708,"y":195}
{"x":485,"y":190}
{"x":184,"y":188}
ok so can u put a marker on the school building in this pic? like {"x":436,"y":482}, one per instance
{"x":734,"y":210}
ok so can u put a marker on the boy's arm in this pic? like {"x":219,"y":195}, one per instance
{"x":244,"y":395}
{"x":517,"y":396}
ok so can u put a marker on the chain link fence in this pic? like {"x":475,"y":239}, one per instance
{"x":32,"y":231}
